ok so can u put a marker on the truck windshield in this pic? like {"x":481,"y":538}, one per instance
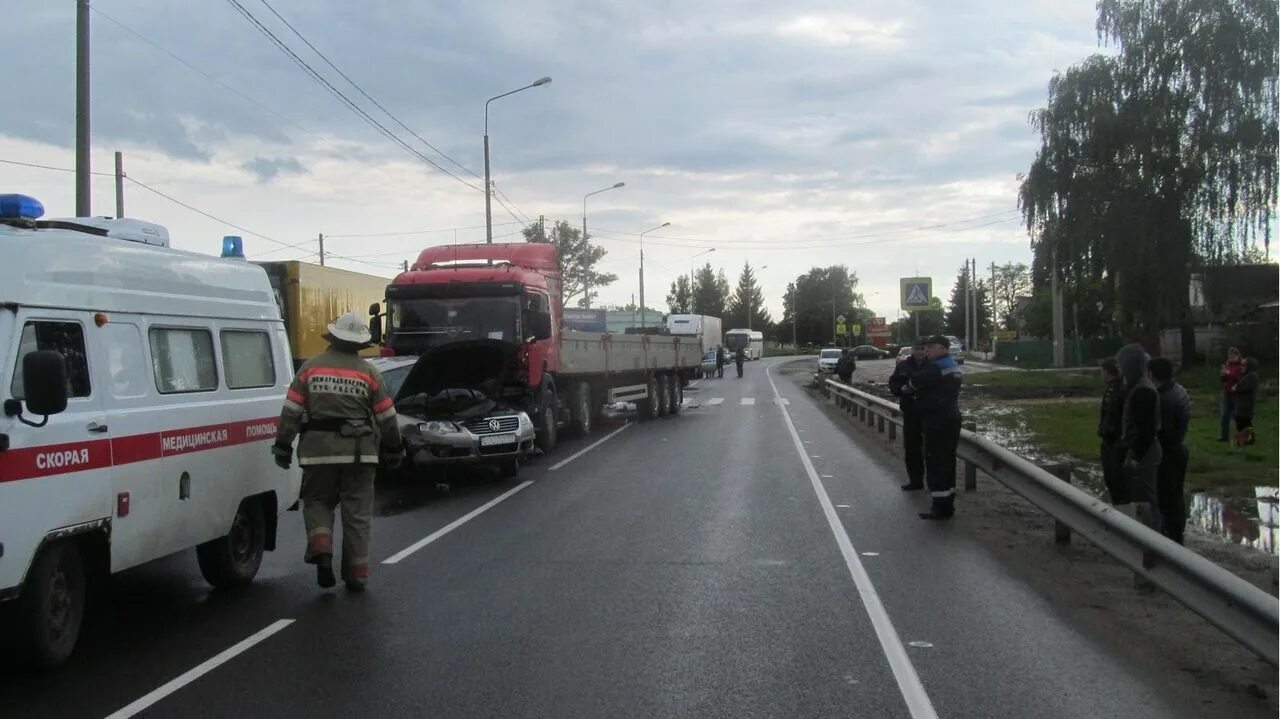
{"x":736,"y":341}
{"x":433,"y":322}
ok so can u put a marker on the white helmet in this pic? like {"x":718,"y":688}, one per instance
{"x":350,"y":328}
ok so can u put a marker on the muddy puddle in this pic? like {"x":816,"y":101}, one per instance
{"x":1246,"y":520}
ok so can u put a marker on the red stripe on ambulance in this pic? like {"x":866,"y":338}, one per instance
{"x":43,"y":461}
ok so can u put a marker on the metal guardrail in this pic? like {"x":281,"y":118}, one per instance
{"x":1244,"y":612}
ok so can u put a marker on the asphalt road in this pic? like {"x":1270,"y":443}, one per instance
{"x":742,"y":559}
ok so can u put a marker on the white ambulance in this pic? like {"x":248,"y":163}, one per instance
{"x":141,"y":390}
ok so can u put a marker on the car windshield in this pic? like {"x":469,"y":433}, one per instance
{"x":392,"y":379}
{"x":830,"y":354}
{"x":434,"y":322}
{"x":709,"y":356}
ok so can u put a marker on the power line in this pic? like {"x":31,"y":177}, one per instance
{"x":170,"y":198}
{"x":366,"y":95}
{"x":523,"y":215}
{"x":366,"y":117}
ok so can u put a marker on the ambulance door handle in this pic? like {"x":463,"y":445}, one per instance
{"x":96,"y":428}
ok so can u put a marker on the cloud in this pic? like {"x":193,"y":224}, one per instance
{"x":844,"y":30}
{"x":266,"y":169}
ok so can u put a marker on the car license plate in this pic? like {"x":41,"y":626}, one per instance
{"x":490,"y":440}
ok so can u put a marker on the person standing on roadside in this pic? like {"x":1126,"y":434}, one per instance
{"x":339,"y":405}
{"x":1230,"y":374}
{"x":1175,"y":416}
{"x":846,"y":366}
{"x":720,"y":358}
{"x":937,"y":392}
{"x":912,"y":435}
{"x":1140,"y":425}
{"x":1246,"y":398}
{"x":1110,"y":416}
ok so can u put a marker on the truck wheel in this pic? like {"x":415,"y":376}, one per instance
{"x":664,"y":395}
{"x":677,"y":395}
{"x":583,"y":411}
{"x":509,"y":468}
{"x":53,"y":604}
{"x":648,"y":408}
{"x":233,"y":560}
{"x":545,"y":439}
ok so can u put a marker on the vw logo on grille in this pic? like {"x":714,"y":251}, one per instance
{"x":494,"y":425}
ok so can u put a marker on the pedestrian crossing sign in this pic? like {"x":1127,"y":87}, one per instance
{"x":916,"y":292}
{"x":841,"y":329}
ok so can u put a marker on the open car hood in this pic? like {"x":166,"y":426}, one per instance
{"x":460,"y":379}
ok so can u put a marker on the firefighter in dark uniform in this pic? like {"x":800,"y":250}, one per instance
{"x":339,"y":404}
{"x":912,"y":435}
{"x":937,"y":393}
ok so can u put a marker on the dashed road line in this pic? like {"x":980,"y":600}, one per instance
{"x":748,"y":401}
{"x":715,"y":401}
{"x":395,"y":558}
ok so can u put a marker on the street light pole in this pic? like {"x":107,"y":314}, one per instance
{"x":691,"y":259}
{"x":586,"y":286}
{"x":644,"y":319}
{"x":83,"y":168}
{"x":488,"y":184}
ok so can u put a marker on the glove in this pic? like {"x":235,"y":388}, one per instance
{"x":393,"y":458}
{"x":283,"y":455}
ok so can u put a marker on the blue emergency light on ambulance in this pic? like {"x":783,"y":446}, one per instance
{"x":233,"y":247}
{"x":20,"y":207}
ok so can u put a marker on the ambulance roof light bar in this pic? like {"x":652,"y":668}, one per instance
{"x":20,"y":207}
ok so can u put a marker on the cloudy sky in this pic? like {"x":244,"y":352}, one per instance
{"x":886,"y":136}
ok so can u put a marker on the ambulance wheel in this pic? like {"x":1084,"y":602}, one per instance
{"x":53,"y":604}
{"x":233,"y":560}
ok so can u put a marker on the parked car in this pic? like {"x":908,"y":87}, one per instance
{"x":869,"y":352}
{"x":708,"y":363}
{"x":904,"y":353}
{"x":957,"y":349}
{"x":827,"y":360}
{"x":459,"y":425}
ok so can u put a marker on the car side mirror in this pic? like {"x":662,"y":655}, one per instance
{"x":44,"y":384}
{"x":375,"y":328}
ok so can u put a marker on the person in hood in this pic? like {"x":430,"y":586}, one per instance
{"x":339,"y":405}
{"x":1246,"y":399}
{"x":1231,"y":372}
{"x":1140,"y":427}
{"x":846,"y":366}
{"x":1110,"y":415}
{"x":1175,"y":416}
{"x":937,"y":391}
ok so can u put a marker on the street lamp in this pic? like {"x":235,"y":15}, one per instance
{"x":691,"y":259}
{"x":488,"y":185}
{"x":644,"y":319}
{"x":586,"y":287}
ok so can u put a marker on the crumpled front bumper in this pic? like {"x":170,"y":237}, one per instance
{"x":426,"y":448}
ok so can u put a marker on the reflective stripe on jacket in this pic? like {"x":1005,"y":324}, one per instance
{"x":340,"y":406}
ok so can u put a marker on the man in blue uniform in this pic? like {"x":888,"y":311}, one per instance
{"x":912,"y":436}
{"x":937,"y":393}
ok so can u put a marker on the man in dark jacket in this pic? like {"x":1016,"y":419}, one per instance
{"x":846,"y":366}
{"x":1110,"y":415}
{"x":1140,"y":426}
{"x":937,"y":391}
{"x":1245,"y":395}
{"x":1175,"y":415}
{"x":912,"y":435}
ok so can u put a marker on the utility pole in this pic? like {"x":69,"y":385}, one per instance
{"x":795,"y":316}
{"x":322,"y":249}
{"x":992,"y":294}
{"x":83,"y":166}
{"x":1055,"y":288}
{"x":404,"y":266}
{"x":119,"y":184}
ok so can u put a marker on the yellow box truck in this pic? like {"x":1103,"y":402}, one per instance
{"x":311,"y":296}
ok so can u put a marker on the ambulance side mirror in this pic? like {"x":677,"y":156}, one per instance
{"x":44,"y":385}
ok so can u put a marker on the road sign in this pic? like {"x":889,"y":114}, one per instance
{"x":841,"y":329}
{"x":916,"y":292}
{"x":876,"y":322}
{"x":840,"y":319}
{"x":857,"y":329}
{"x":1006,"y":335}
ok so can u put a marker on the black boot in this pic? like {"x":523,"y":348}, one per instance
{"x":912,"y":486}
{"x":943,"y":508}
{"x":324,"y":571}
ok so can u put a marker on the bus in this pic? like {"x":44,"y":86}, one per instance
{"x":749,"y":341}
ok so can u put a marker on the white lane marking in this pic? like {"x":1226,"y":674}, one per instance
{"x":844,"y":506}
{"x":199,"y":670}
{"x":782,"y":401}
{"x":748,"y":400}
{"x":395,"y":558}
{"x":816,"y":456}
{"x":828,"y":476}
{"x":715,"y":401}
{"x":588,"y":448}
{"x":870,"y":554}
{"x":693,"y":383}
{"x":921,"y":645}
{"x":913,"y":692}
